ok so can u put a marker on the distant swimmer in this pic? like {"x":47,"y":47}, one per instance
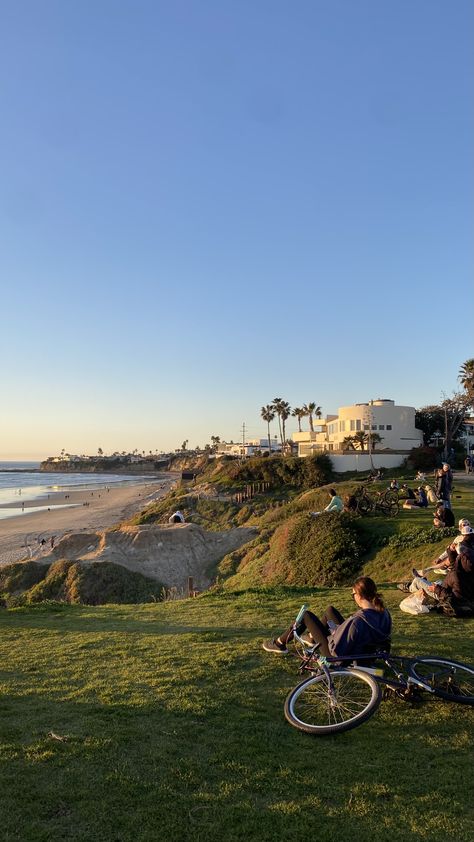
{"x":176,"y":517}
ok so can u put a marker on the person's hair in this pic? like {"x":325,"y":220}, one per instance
{"x":333,"y":492}
{"x":366,"y":588}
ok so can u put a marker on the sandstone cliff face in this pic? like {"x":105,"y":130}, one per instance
{"x":167,"y":553}
{"x":103,"y":467}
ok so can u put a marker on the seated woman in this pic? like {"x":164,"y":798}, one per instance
{"x":335,"y":504}
{"x":456,"y":592}
{"x":369,"y":627}
{"x":443,"y":516}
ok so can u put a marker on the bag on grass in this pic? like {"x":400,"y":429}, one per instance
{"x":414,"y":604}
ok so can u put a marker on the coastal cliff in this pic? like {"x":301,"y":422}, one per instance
{"x":103,"y":466}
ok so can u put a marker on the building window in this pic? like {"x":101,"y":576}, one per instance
{"x":353,"y":425}
{"x":366,"y":427}
{"x":389,"y":426}
{"x":358,"y":425}
{"x":381,"y":426}
{"x":374,"y":426}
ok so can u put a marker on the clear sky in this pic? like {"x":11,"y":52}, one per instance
{"x":208,"y":204}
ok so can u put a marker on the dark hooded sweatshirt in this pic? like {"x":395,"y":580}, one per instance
{"x":459,"y":581}
{"x":364,"y":629}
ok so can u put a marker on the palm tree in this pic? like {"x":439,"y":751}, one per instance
{"x":375,"y":439}
{"x":268,"y":414}
{"x":360,"y":439}
{"x":466,"y":377}
{"x":309,"y":410}
{"x":276,"y":404}
{"x":299,"y":414}
{"x":285,"y":412}
{"x":348,"y":443}
{"x":318,"y":412}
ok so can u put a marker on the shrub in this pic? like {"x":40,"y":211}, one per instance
{"x":424,"y":458}
{"x":303,"y":551}
{"x":18,"y":577}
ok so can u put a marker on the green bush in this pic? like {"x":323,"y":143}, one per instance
{"x":423,"y":458}
{"x":19,"y":577}
{"x":303,"y":551}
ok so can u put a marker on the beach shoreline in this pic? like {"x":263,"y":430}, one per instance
{"x":73,"y":511}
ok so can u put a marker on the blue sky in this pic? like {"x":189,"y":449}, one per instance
{"x":206,"y":205}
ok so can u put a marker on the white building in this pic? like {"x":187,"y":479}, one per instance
{"x":250,"y":448}
{"x":394,"y":424}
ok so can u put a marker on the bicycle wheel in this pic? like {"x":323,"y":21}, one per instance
{"x":392,"y":508}
{"x":448,"y":679}
{"x":313,"y":708}
{"x":364,"y":505}
{"x":391,"y":497}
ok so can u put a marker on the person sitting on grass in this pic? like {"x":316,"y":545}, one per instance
{"x":369,"y":627}
{"x":176,"y":517}
{"x":456,"y":593}
{"x":443,"y":516}
{"x":421,"y":501}
{"x":463,"y":542}
{"x":447,"y":559}
{"x":336,"y":504}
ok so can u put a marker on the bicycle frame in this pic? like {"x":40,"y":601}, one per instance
{"x":313,"y":662}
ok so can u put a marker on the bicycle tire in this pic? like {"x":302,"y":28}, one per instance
{"x":393,"y":509}
{"x":391,"y":496}
{"x":364,"y":505}
{"x":309,"y":708}
{"x":450,"y":680}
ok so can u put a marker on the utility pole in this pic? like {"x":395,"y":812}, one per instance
{"x":243,"y":439}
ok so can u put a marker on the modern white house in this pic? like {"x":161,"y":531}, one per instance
{"x":394,"y":424}
{"x":250,"y":447}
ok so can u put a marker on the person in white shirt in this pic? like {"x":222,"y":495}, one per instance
{"x":176,"y":517}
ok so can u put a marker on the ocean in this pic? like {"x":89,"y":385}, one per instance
{"x":18,"y":481}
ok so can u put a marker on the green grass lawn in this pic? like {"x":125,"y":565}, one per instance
{"x":173,"y":722}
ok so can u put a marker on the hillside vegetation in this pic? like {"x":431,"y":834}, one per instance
{"x":293,"y":548}
{"x":71,"y":582}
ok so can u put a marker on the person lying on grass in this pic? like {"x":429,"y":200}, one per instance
{"x":363,"y":631}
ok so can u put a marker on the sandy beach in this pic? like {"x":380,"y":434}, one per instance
{"x":84,"y":510}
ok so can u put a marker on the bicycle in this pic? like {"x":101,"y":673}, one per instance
{"x":385,"y":502}
{"x":337,"y":698}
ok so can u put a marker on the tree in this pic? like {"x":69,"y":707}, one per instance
{"x":298,"y":413}
{"x":215,"y":441}
{"x":375,"y":439}
{"x":276,"y":404}
{"x":360,"y":440}
{"x":309,"y":409}
{"x":443,"y":421}
{"x":348,"y":443}
{"x":100,"y":451}
{"x":184,"y":445}
{"x":466,"y":378}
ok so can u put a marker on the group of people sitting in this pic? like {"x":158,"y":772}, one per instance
{"x":454,"y":594}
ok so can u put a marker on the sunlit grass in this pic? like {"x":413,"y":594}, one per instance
{"x":170,"y":719}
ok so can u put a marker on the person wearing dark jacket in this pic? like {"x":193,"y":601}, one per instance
{"x":363,"y":631}
{"x":444,"y":481}
{"x":443,"y":517}
{"x":458,"y":585}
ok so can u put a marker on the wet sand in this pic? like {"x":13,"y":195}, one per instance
{"x":19,"y":535}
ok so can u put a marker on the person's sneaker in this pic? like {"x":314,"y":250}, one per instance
{"x":275,"y":648}
{"x":404,"y":586}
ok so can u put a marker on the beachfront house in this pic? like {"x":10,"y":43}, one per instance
{"x":352,"y":440}
{"x":251,"y":447}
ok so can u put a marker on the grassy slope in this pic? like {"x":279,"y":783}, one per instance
{"x":174,"y":719}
